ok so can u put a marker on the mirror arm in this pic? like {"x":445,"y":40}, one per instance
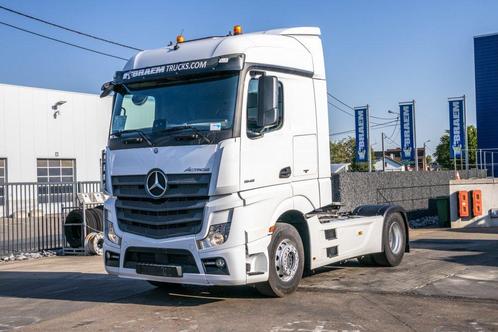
{"x":108,"y":87}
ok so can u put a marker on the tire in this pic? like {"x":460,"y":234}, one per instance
{"x":98,"y":244}
{"x":94,"y":244}
{"x":73,"y":232}
{"x":393,"y":241}
{"x":286,"y":266}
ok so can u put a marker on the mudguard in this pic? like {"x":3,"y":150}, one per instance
{"x":384,"y":210}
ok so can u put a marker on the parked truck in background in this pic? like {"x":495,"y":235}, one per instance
{"x":218,"y":167}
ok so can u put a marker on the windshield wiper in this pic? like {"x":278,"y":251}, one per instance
{"x":138,"y":131}
{"x":186,"y":126}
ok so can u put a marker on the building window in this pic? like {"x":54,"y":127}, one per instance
{"x":56,"y":179}
{"x":3,"y":179}
{"x":252,"y":108}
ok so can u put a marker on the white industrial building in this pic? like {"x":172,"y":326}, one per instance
{"x":51,"y":135}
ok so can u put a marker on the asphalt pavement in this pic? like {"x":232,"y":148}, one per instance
{"x":449,"y":282}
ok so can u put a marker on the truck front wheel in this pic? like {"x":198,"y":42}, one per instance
{"x":286,"y":253}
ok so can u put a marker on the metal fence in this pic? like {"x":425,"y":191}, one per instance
{"x":31,"y":214}
{"x":479,"y":159}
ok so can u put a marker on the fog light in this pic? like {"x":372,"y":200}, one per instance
{"x":220,"y":263}
{"x":215,"y":265}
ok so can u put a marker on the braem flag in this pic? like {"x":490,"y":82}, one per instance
{"x":407,"y":120}
{"x":457,"y":127}
{"x":362,"y":133}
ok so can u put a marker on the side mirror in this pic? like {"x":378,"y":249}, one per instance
{"x":267,"y":101}
{"x":107,"y":88}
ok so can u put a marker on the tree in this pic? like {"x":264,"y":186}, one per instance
{"x":343,"y":151}
{"x":472,"y":139}
{"x":442,"y":153}
{"x":428,"y":159}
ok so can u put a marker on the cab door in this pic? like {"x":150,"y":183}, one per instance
{"x":266,"y":153}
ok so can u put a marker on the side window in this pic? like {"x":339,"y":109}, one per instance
{"x":252,"y":108}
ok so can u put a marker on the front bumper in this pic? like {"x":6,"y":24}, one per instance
{"x":235,"y":258}
{"x":244,"y":253}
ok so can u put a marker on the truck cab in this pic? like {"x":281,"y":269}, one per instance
{"x":218,"y":167}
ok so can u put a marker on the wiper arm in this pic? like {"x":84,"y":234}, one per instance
{"x":187,"y":126}
{"x":138,"y":131}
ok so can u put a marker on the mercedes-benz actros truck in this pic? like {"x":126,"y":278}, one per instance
{"x":218,"y":167}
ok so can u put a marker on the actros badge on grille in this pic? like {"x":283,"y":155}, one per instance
{"x":156,"y":183}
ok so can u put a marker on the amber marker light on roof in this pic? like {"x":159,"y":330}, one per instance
{"x":237,"y":30}
{"x":180,"y":39}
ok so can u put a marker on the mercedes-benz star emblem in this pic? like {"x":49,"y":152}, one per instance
{"x":156,"y":183}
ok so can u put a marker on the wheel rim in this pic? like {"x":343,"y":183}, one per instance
{"x":395,"y":238}
{"x":286,"y":260}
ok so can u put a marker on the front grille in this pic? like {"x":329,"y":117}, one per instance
{"x":160,"y":257}
{"x":178,"y":212}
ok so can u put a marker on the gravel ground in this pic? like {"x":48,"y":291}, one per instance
{"x":29,"y":255}
{"x":431,"y":221}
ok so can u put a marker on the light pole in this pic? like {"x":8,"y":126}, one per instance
{"x":384,"y":136}
{"x":424,"y":161}
{"x":383,"y":154}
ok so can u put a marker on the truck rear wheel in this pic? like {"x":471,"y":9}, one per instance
{"x":286,"y":254}
{"x":394,"y":241}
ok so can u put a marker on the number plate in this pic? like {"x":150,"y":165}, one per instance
{"x":160,"y":270}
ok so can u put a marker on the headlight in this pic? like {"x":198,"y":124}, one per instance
{"x":110,"y":232}
{"x":217,"y":235}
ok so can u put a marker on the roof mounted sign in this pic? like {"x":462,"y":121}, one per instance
{"x":232,"y":62}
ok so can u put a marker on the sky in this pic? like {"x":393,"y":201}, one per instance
{"x":378,"y":52}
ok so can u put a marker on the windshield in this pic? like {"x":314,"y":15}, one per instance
{"x":205,"y":105}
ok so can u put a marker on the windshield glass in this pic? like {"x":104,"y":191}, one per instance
{"x":207,"y":104}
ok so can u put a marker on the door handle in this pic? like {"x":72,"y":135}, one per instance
{"x":285,"y":172}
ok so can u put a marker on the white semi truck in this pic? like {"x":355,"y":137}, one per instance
{"x":218,"y":167}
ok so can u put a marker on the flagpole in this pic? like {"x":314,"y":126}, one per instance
{"x":466,"y":137}
{"x":415,"y":135}
{"x":369,"y":145}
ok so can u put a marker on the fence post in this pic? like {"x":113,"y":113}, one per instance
{"x":477,"y":168}
{"x":485,"y":163}
{"x":492,"y":164}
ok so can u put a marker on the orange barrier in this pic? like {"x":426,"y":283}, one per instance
{"x":476,"y":203}
{"x":463,"y":204}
